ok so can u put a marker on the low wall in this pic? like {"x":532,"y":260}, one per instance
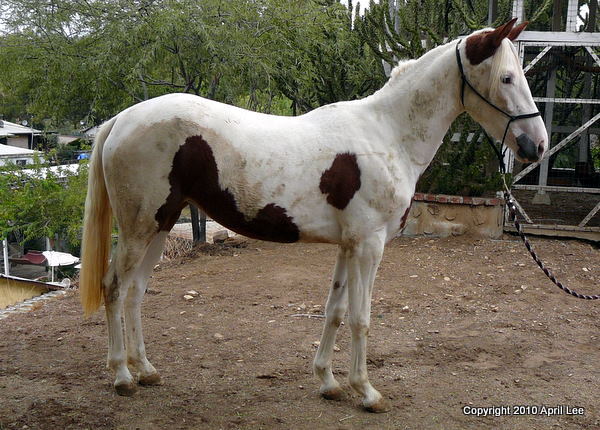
{"x":13,"y":291}
{"x":441,"y":215}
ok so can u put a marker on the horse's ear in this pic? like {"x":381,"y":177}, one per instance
{"x":516,"y":31}
{"x":497,"y":36}
{"x":484,"y":44}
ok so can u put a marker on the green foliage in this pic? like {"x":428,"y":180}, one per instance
{"x":463,"y":167}
{"x":595,"y":150}
{"x":38,"y":202}
{"x":68,"y":60}
{"x":328,"y":61}
{"x":468,"y":167}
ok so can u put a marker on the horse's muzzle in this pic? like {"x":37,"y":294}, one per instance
{"x":528,"y":150}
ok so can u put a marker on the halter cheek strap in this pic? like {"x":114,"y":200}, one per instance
{"x":465,"y":82}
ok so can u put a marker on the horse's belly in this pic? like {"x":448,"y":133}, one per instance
{"x":271,"y":223}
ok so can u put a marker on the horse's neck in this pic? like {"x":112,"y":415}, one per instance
{"x":421,"y":104}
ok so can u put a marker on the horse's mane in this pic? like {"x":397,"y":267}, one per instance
{"x":404,"y":65}
{"x":400,"y":68}
{"x":504,"y":56}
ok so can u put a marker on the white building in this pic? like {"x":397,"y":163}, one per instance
{"x":16,"y":155}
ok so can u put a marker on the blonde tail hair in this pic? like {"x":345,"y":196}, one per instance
{"x":97,"y":229}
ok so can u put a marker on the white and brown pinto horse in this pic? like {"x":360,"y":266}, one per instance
{"x":343,"y":174}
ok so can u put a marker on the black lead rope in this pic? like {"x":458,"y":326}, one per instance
{"x":549,"y":274}
{"x":507,"y":196}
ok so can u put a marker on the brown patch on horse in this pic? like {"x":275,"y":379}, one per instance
{"x":195,"y":177}
{"x":341,"y":180}
{"x":405,"y":217}
{"x":478,"y":48}
{"x":482,"y":46}
{"x":336,"y":285}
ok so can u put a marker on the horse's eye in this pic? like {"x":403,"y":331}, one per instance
{"x":506,"y":79}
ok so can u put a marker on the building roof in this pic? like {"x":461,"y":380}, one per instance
{"x":8,"y":128}
{"x":7,"y":150}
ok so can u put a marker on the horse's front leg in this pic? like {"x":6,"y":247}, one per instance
{"x":362,"y":267}
{"x":337,"y":302}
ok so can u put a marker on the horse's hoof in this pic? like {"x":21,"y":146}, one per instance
{"x":127,"y":389}
{"x":333,"y":394}
{"x":380,"y":407}
{"x":151,"y":379}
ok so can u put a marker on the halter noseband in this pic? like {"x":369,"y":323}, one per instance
{"x":465,"y":81}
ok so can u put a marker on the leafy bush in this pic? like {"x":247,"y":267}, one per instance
{"x":468,"y":167}
{"x":39,"y":202}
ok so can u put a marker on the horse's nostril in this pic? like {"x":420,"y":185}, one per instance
{"x":528,"y":150}
{"x":540,"y":149}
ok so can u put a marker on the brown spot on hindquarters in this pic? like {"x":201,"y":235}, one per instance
{"x":341,"y":180}
{"x":195,"y":177}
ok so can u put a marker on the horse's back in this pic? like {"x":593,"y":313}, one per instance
{"x":269,"y":177}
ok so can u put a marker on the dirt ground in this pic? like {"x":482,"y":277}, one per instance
{"x":456,"y":323}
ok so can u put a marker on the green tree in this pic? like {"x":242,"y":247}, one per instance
{"x":68,"y":60}
{"x":40,"y":202}
{"x":468,"y":166}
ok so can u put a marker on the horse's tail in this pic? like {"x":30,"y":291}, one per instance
{"x":97,"y":229}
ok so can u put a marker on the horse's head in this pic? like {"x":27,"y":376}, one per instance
{"x":496,"y":94}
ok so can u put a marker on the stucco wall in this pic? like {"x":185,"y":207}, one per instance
{"x":442,"y":215}
{"x":19,"y":141}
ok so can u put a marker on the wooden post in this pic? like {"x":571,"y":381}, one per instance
{"x":492,"y":11}
{"x":591,"y":27}
{"x":5,"y":255}
{"x":518,"y":10}
{"x":572,"y":15}
{"x":557,"y":15}
{"x":198,"y":225}
{"x":586,"y":111}
{"x":541,"y":197}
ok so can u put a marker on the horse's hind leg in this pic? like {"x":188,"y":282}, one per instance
{"x":129,"y":254}
{"x":136,"y":350}
{"x":337,"y":303}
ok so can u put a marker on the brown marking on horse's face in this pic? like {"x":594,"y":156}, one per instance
{"x":195,"y":177}
{"x":482,"y":46}
{"x":341,"y":180}
{"x":478,"y":48}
